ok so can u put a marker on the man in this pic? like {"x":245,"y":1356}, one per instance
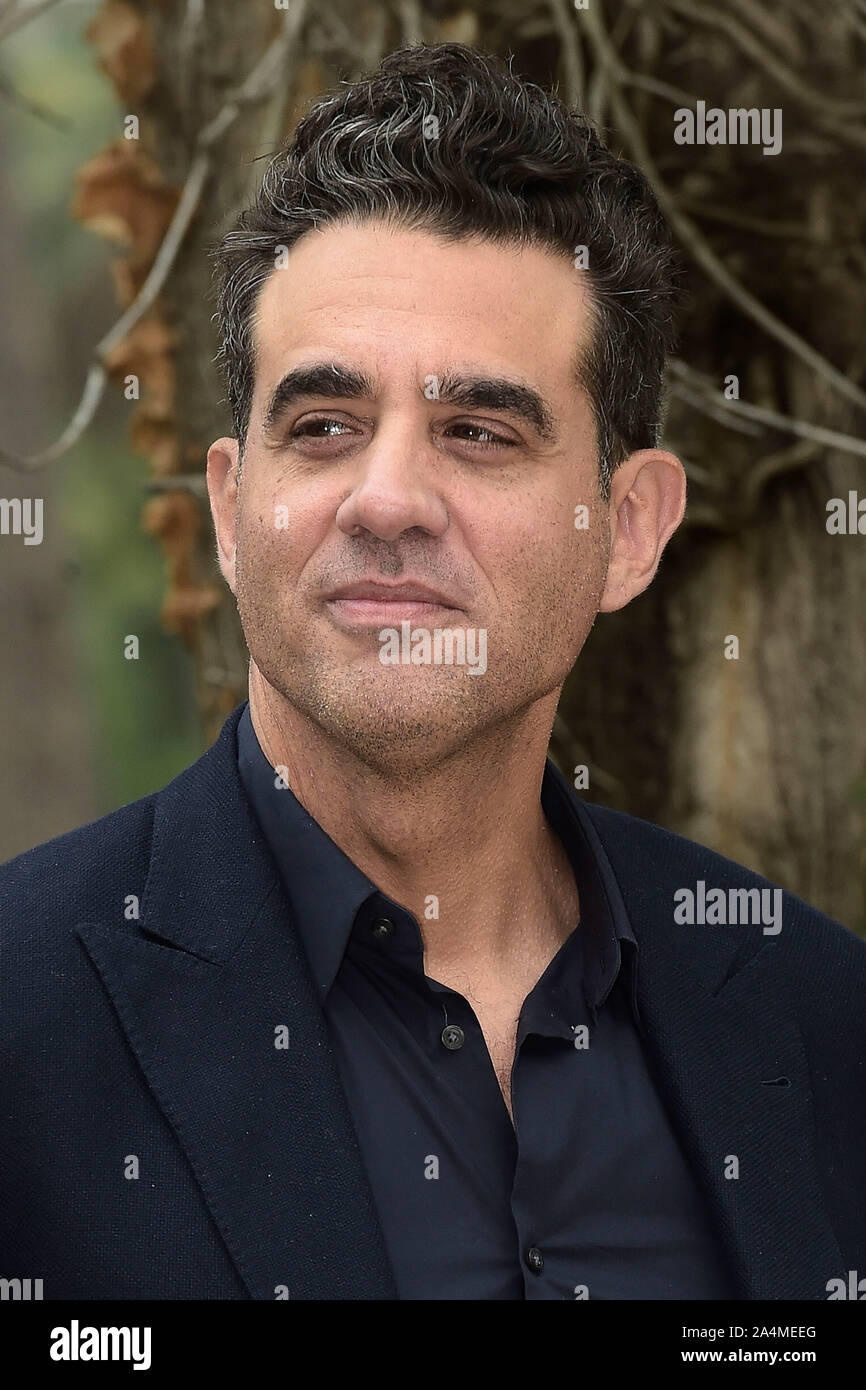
{"x":367,"y":1003}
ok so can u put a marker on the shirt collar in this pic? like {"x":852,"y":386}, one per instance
{"x":326,"y":889}
{"x":604,"y":920}
{"x":328,"y":893}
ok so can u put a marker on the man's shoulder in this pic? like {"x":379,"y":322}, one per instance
{"x":100,"y":874}
{"x":653,"y":864}
{"x":96,"y":872}
{"x":115,"y":848}
{"x":68,"y":868}
{"x":624,"y":835}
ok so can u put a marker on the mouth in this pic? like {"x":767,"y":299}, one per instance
{"x":372,"y":605}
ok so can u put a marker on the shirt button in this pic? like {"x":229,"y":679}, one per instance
{"x":453,"y":1037}
{"x":383,"y":926}
{"x":535,"y":1259}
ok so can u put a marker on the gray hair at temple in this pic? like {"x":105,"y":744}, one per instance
{"x":446,"y":139}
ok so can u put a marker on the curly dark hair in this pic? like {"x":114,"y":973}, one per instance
{"x":444,"y":138}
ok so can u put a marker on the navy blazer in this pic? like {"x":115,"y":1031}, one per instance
{"x":148,"y":958}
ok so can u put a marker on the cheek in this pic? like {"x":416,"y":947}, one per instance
{"x":550,"y":545}
{"x":549,"y":577}
{"x":276,"y":536}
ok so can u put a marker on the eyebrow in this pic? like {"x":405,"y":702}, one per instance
{"x":335,"y":382}
{"x":498,"y":393}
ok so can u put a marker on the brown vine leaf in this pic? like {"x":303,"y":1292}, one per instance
{"x":122,"y":39}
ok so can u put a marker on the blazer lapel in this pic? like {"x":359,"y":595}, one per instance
{"x":201,"y":987}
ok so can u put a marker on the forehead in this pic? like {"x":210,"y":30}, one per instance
{"x":405,"y":301}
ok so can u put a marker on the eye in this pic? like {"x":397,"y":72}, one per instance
{"x":312,"y":429}
{"x":328,"y":427}
{"x":490,"y":440}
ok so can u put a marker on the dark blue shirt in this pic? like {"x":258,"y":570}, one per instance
{"x":588,"y":1193}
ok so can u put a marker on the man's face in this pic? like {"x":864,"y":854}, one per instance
{"x":389,"y":485}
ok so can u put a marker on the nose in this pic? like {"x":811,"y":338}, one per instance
{"x":395,"y":488}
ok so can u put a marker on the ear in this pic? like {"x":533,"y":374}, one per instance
{"x":222,"y":487}
{"x":647,"y":502}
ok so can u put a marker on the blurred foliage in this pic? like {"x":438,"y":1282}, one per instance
{"x":141,"y":714}
{"x":145,"y":709}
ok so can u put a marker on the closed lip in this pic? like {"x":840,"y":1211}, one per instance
{"x":377,"y":592}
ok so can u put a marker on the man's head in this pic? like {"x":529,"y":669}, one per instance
{"x":444,"y":323}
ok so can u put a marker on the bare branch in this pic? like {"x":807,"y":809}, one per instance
{"x":762,"y":226}
{"x":776,"y":31}
{"x":714,"y":408}
{"x":708,"y":517}
{"x":19,"y":15}
{"x":691,"y":236}
{"x":569,"y":39}
{"x":831,"y":439}
{"x":793,"y":82}
{"x":178,"y":482}
{"x":257,"y":85}
{"x":411,"y":30}
{"x":98,"y":376}
{"x":773,"y":465}
{"x":657,"y":87}
{"x":43,"y":113}
{"x":696,"y":474}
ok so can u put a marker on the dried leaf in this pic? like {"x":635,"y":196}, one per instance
{"x":122,"y":39}
{"x":121,"y":193}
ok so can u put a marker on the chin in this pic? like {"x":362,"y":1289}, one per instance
{"x":391,"y":726}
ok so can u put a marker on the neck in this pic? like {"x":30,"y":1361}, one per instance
{"x":463,"y":844}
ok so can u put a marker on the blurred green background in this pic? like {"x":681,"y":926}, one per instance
{"x":125,"y":727}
